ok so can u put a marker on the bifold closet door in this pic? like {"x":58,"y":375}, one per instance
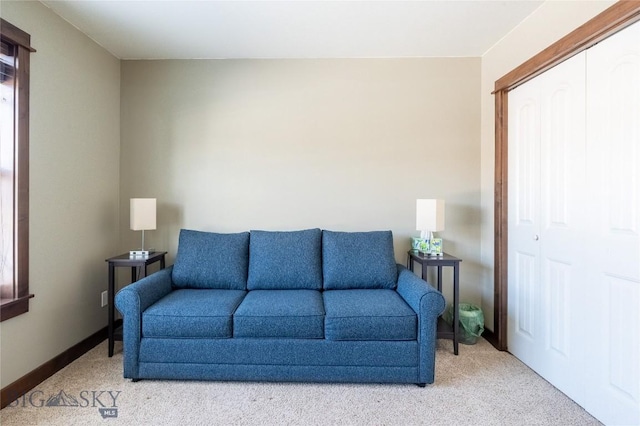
{"x":574,"y":227}
{"x":613,"y":160}
{"x":548,"y":225}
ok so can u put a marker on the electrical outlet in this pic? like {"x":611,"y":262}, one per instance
{"x":104,"y":299}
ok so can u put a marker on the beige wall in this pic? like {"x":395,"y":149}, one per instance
{"x":552,"y":21}
{"x":74,"y":176}
{"x":232,"y":145}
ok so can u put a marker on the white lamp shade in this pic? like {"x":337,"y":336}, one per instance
{"x":143,"y":214}
{"x":430,"y":215}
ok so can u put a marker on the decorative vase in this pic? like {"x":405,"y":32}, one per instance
{"x":415,"y":243}
{"x":423,"y":247}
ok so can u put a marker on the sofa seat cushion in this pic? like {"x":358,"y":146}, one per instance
{"x":368,"y":315}
{"x":290,"y":260}
{"x":192,"y":313}
{"x":211,"y":260}
{"x":358,"y":260}
{"x":295,"y":314}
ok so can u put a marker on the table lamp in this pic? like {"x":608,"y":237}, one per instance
{"x":142,"y":218}
{"x":429,"y":218}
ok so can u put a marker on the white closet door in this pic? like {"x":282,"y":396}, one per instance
{"x":563,"y":225}
{"x":524,"y":324}
{"x":547,"y":224}
{"x":613,"y":129}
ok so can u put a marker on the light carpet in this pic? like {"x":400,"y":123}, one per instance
{"x":481,"y":386}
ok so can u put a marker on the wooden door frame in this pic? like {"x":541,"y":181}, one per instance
{"x":612,"y":20}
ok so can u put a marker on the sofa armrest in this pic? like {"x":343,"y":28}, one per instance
{"x":418,"y":293}
{"x":429,"y":304}
{"x":131,"y":301}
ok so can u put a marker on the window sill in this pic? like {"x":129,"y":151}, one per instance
{"x":10,"y":308}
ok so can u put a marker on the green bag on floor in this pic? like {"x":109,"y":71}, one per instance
{"x":471,"y":321}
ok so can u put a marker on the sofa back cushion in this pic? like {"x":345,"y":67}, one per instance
{"x":285,"y":260}
{"x":358,"y":260}
{"x":211,"y":260}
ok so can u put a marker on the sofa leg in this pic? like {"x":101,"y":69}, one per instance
{"x":421,"y":385}
{"x":135,"y":380}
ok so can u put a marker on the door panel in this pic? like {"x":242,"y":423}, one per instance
{"x":524,"y":218}
{"x":558,"y":277}
{"x":526,"y":268}
{"x":623,"y":296}
{"x":547,"y":221}
{"x":613,"y":159}
{"x":563,"y":224}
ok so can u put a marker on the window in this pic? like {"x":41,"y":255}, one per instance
{"x":15,"y":49}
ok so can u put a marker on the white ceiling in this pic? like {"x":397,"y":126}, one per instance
{"x":181,"y":29}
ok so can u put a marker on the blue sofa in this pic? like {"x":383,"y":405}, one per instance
{"x":310,"y":306}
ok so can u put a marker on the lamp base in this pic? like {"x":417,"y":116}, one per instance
{"x":139,"y":253}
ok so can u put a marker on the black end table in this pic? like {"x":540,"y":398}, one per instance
{"x":138,"y":267}
{"x":445,"y":331}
